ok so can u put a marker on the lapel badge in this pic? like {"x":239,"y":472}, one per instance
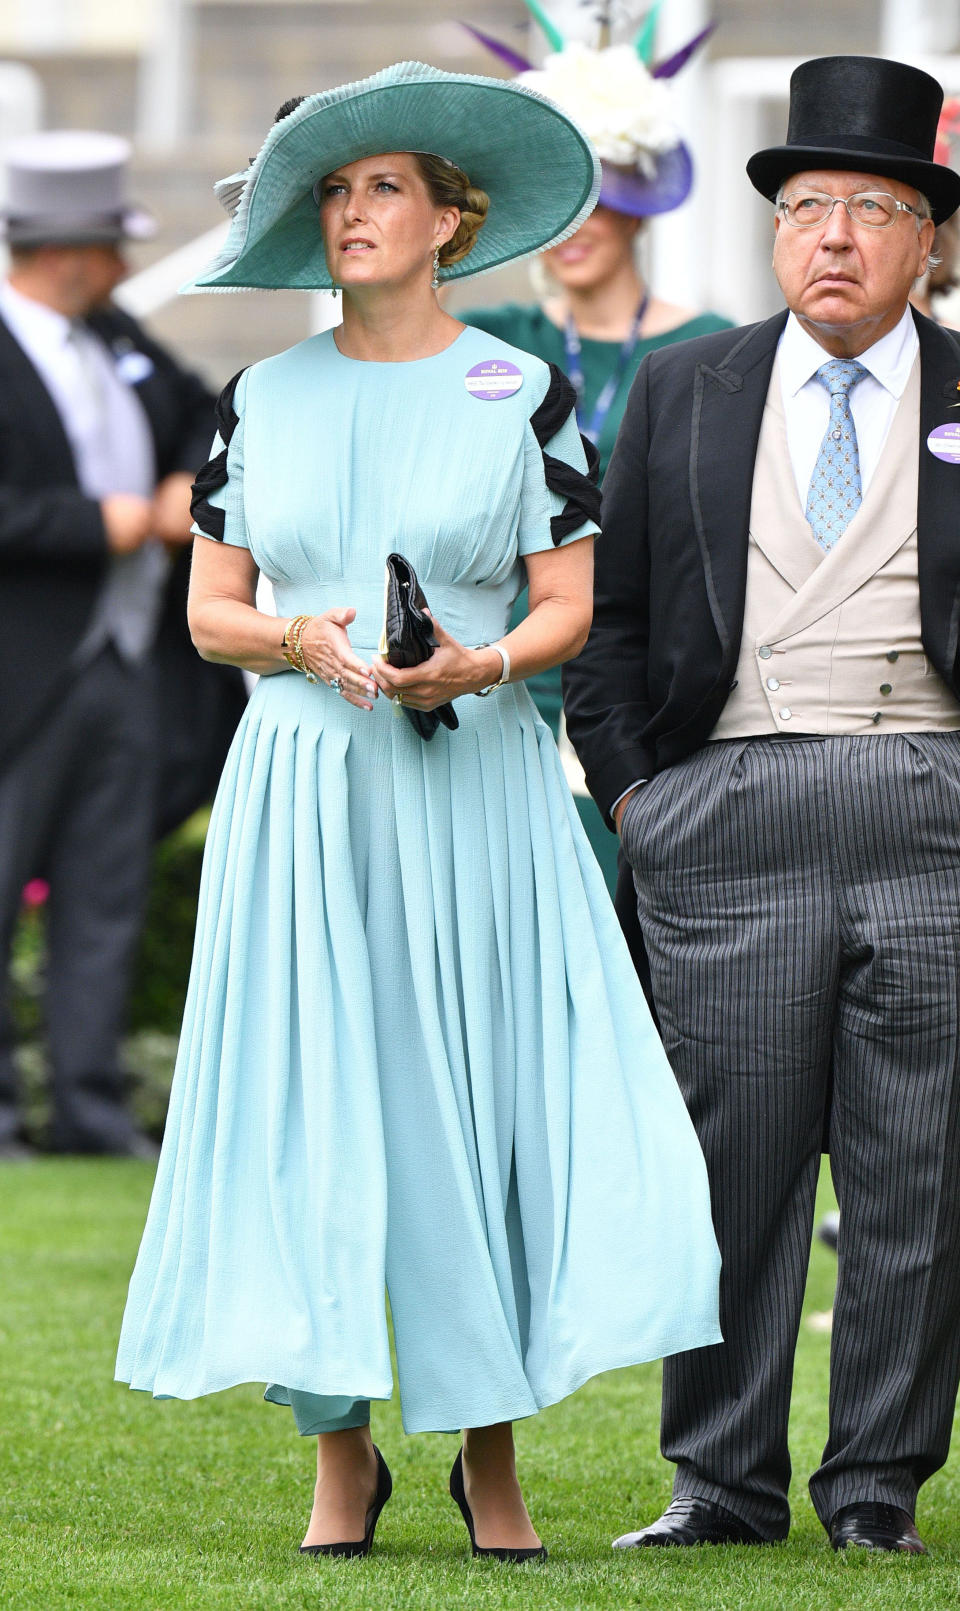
{"x":944,"y":442}
{"x":134,"y":367}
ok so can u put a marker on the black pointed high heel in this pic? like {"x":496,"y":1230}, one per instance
{"x":458,"y":1492}
{"x":360,"y":1546}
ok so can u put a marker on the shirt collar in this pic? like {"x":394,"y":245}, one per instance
{"x":33,"y":319}
{"x":889,"y":360}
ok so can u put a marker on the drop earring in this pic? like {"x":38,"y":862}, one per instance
{"x":435,"y":282}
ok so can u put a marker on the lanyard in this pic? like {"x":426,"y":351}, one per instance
{"x":609,"y":391}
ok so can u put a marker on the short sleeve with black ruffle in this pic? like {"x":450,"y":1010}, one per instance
{"x":561,"y":497}
{"x":217,"y":503}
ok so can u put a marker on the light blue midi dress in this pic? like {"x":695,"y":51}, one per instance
{"x":415,"y":1056}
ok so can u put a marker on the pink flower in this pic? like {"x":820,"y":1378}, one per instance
{"x":36,"y":893}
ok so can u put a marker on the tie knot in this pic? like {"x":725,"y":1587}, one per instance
{"x":840,"y":375}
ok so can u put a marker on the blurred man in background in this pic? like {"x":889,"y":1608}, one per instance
{"x":100,"y":432}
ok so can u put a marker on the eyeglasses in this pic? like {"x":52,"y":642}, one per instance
{"x":876,"y":209}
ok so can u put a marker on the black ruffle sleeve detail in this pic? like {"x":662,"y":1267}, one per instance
{"x":582,"y":492}
{"x":213,"y":476}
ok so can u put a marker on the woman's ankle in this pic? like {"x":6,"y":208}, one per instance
{"x":348,"y":1450}
{"x":490,"y":1447}
{"x":492,"y":1489}
{"x":345,"y":1487}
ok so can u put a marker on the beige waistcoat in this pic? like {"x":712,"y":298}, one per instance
{"x":831,"y":641}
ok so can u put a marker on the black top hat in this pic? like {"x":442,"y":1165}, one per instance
{"x":867,"y":115}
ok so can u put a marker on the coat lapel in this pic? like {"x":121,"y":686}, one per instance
{"x":35,"y":409}
{"x":938,"y":495}
{"x":777,"y":522}
{"x":728,"y":404}
{"x":141,"y":372}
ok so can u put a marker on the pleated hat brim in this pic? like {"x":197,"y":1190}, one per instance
{"x":538,"y":168}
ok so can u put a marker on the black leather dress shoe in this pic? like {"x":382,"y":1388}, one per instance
{"x":876,"y":1526}
{"x":692,"y":1521}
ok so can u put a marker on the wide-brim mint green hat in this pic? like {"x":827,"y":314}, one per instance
{"x":539,"y":170}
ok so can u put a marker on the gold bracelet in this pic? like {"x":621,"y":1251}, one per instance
{"x":302,"y":624}
{"x":298,"y":643}
{"x":287,"y":639}
{"x":293,"y":641}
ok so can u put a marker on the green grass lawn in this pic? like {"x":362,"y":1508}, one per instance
{"x":111,"y":1500}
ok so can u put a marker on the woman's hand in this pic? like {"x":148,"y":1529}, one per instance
{"x":327,"y":651}
{"x":451,"y":671}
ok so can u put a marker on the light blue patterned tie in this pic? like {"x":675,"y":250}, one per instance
{"x":834,"y":495}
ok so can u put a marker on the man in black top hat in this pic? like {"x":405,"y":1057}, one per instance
{"x":768,"y":709}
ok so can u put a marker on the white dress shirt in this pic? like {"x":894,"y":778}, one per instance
{"x":873,"y":401}
{"x":112,"y":446}
{"x":102,"y":415}
{"x":44,"y":335}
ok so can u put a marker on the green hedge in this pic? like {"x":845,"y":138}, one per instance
{"x":167,"y":945}
{"x":159,"y":989}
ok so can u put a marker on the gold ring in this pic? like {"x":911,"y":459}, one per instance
{"x":399,"y":699}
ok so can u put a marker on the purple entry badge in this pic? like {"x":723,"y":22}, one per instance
{"x":944,"y":443}
{"x":493,"y":379}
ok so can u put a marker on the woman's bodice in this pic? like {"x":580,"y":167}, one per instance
{"x":336,"y":462}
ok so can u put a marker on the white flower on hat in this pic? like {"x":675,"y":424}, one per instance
{"x":619,"y":105}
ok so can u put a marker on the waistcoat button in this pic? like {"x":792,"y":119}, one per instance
{"x":765,"y":652}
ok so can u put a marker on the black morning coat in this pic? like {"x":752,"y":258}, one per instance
{"x":671,"y":566}
{"x":53,"y":558}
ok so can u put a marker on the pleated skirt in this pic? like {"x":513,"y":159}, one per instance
{"x":415,"y":1060}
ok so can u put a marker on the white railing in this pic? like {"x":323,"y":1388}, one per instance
{"x":159,"y":284}
{"x":149,"y":290}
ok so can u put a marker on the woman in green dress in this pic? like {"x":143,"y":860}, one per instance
{"x":597,"y":319}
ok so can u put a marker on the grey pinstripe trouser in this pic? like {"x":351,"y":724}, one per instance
{"x":800,"y":902}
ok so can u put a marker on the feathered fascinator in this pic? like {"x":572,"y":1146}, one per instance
{"x":618,"y":95}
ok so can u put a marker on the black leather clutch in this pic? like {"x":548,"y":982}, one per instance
{"x":409,"y":639}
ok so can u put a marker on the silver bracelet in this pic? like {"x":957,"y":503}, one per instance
{"x":504,"y":672}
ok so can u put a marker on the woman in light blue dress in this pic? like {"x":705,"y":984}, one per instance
{"x":415,"y":1056}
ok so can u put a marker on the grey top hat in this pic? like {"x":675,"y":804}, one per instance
{"x":68,"y":187}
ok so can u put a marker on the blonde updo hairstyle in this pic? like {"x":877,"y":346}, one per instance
{"x":449,"y":186}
